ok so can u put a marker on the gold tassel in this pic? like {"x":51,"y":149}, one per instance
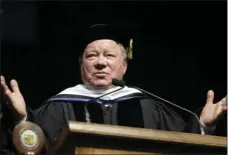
{"x":130,"y":50}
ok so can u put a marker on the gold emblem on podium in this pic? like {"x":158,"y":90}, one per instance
{"x":28,"y":138}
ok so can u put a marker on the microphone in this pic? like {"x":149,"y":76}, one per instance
{"x":115,"y":82}
{"x":122,"y":83}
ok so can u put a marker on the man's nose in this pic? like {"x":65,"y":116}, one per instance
{"x":101,"y":63}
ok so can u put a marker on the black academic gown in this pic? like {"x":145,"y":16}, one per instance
{"x":134,"y":110}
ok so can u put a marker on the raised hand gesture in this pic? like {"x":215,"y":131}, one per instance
{"x":14,"y":98}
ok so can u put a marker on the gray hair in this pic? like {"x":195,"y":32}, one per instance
{"x":124,"y":51}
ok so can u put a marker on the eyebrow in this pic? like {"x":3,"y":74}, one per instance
{"x":91,"y":50}
{"x":106,"y":51}
{"x":96,"y":50}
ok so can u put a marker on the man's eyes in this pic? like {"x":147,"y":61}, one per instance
{"x":90,"y":55}
{"x":110,"y":55}
{"x":95,"y":55}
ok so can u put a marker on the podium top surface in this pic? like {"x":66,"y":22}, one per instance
{"x":146,"y":134}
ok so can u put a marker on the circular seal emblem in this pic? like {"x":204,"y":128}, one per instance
{"x":29,"y":138}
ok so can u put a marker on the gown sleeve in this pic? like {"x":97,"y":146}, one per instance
{"x":50,"y":117}
{"x":158,"y":115}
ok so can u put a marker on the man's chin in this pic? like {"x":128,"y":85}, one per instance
{"x":102,"y":85}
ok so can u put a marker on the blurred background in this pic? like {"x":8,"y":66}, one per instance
{"x":179,"y":47}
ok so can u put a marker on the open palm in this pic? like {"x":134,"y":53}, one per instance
{"x":213,"y":111}
{"x":14,"y":98}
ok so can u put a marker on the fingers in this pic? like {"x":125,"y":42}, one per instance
{"x":221,"y":108}
{"x":5,"y":88}
{"x":3,"y":82}
{"x":7,"y":94}
{"x":210,"y":97}
{"x":14,"y":85}
{"x":224,"y":103}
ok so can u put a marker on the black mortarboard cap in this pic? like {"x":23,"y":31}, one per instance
{"x":118,"y":33}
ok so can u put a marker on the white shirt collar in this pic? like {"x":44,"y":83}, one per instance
{"x":83,"y":90}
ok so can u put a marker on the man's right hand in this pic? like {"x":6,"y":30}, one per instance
{"x":14,"y":98}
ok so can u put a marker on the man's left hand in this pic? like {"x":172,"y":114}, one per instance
{"x":213,"y":111}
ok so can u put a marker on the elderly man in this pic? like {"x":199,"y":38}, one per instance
{"x":105,"y":58}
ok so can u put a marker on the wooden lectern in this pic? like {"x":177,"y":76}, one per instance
{"x":91,"y":138}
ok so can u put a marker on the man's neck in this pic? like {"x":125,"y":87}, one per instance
{"x":99,"y":88}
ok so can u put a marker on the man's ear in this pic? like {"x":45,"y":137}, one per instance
{"x":125,"y":67}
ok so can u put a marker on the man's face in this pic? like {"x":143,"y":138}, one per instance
{"x":102,"y":61}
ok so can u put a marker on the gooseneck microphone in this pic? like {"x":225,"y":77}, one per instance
{"x":121,"y":83}
{"x":117,"y":82}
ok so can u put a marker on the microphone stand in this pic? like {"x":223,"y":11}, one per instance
{"x":121,"y":83}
